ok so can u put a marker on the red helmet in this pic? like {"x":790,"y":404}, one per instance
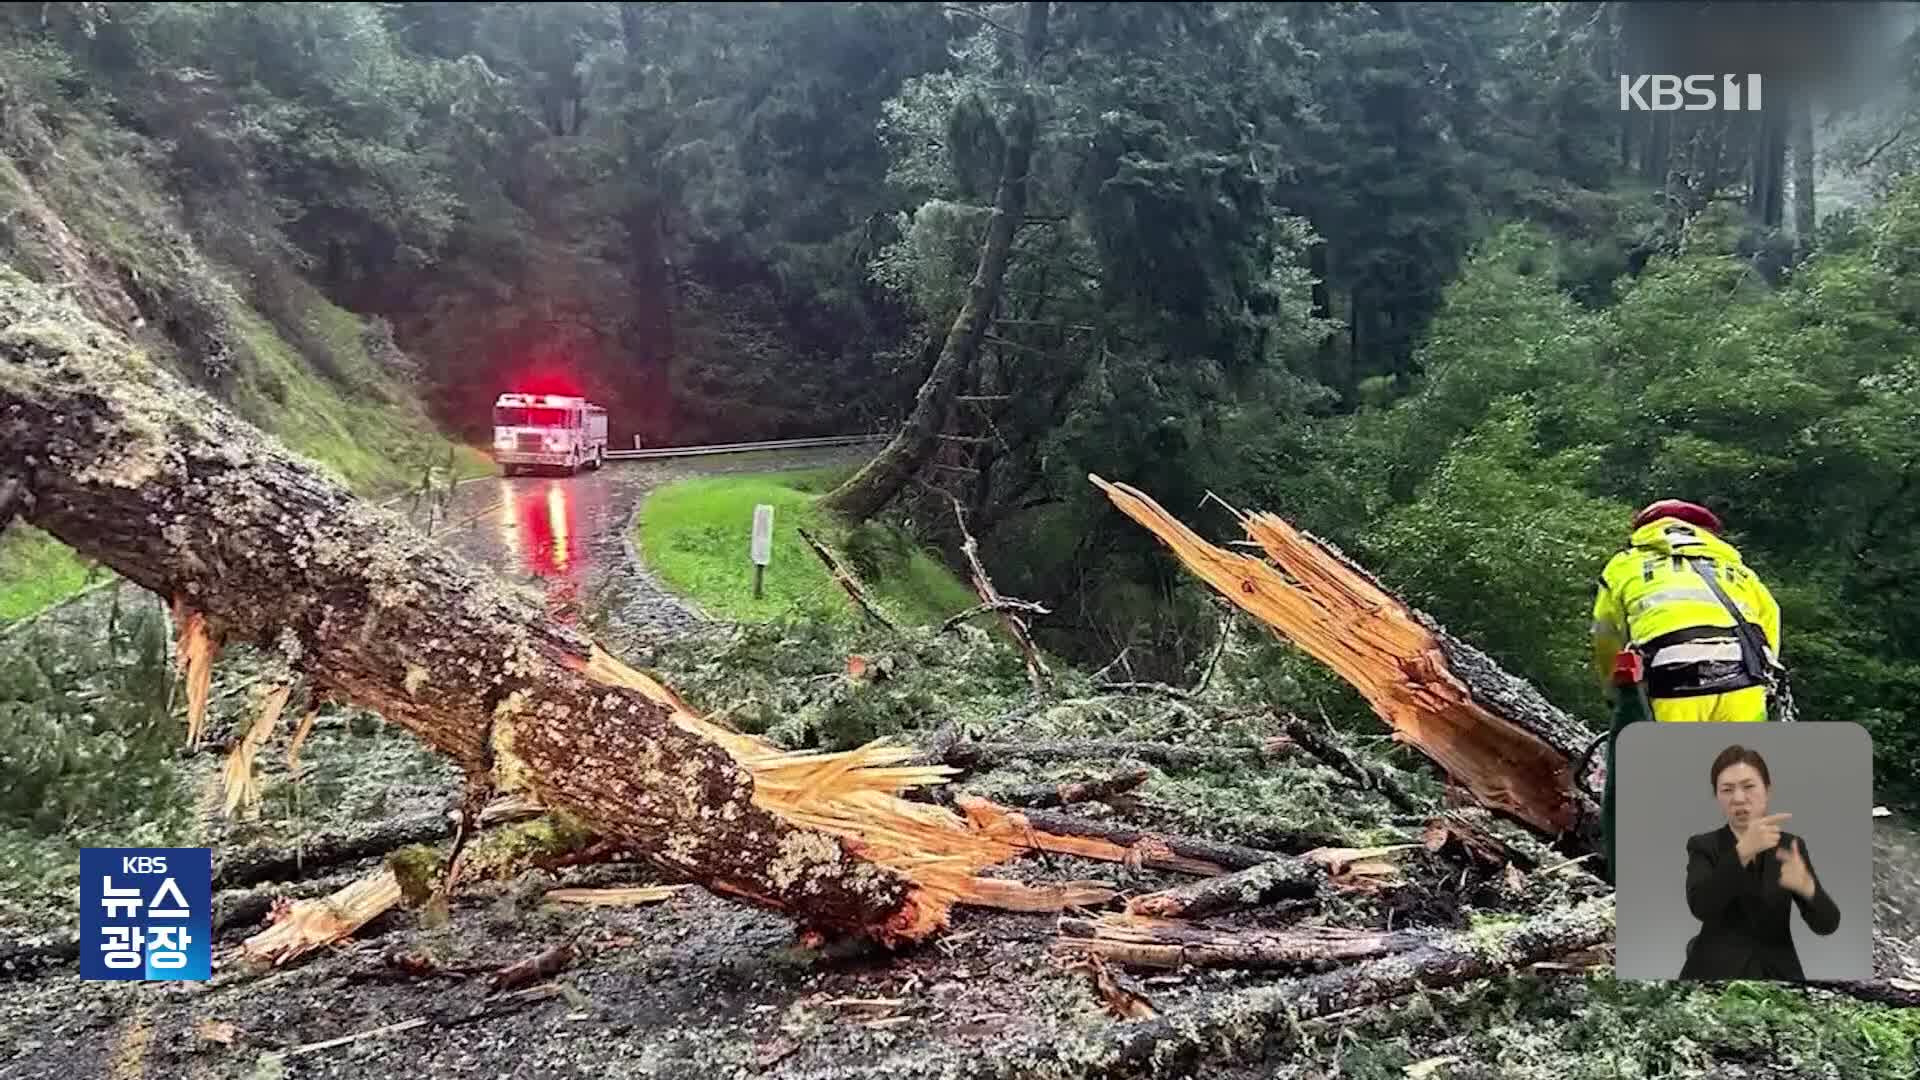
{"x":1691,"y":513}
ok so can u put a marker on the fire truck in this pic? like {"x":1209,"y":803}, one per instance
{"x":532,"y":431}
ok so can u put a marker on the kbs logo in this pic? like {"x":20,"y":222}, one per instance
{"x":1665,"y":93}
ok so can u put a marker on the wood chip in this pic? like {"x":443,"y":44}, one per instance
{"x":614,"y":897}
{"x":220,"y":1031}
{"x":536,"y":968}
{"x":390,"y":1029}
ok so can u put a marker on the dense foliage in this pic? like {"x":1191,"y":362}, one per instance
{"x":1402,"y":271}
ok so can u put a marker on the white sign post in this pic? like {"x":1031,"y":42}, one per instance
{"x":762,"y":550}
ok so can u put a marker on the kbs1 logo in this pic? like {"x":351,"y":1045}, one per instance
{"x":146,"y":913}
{"x":1693,"y":93}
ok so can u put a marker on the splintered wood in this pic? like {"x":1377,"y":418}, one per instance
{"x":1374,"y":642}
{"x":302,"y":927}
{"x":854,"y":794}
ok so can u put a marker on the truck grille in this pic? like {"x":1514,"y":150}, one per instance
{"x":529,"y":442}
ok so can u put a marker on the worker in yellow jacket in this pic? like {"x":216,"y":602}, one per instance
{"x":1706,"y":630}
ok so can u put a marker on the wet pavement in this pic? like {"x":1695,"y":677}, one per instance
{"x":571,"y":539}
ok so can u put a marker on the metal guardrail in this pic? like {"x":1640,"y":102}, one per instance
{"x":653,"y":452}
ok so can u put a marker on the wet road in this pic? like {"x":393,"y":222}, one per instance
{"x":570,"y":538}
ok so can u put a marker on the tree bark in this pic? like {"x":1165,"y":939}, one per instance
{"x":1492,"y":732}
{"x":877,"y":482}
{"x":126,"y":466}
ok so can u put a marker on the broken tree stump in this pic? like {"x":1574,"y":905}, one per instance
{"x":1277,"y":879}
{"x":1490,"y":731}
{"x":127,"y":466}
{"x":1161,"y":943}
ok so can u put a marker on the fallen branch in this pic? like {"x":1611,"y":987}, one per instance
{"x":974,"y":755}
{"x":328,"y":1044}
{"x":1046,"y":830}
{"x":1325,"y":746}
{"x":539,"y":967}
{"x":847,"y":581}
{"x":1019,"y":896}
{"x":1002,"y":606}
{"x":990,"y":597}
{"x":1155,"y":943}
{"x":1489,"y":730}
{"x":1097,"y":789}
{"x":1459,"y":832}
{"x":1277,"y":879}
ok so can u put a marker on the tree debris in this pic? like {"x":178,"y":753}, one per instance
{"x":972,"y":755}
{"x":1118,"y":994}
{"x":1166,"y":943}
{"x":628,"y":896}
{"x":539,"y":967}
{"x":1489,"y":730}
{"x":1325,"y":745}
{"x":1278,"y":879}
{"x":195,"y":651}
{"x":1094,"y":789}
{"x":848,"y":582}
{"x":1019,"y":896}
{"x":1045,"y":830}
{"x":302,"y":927}
{"x":990,"y":597}
{"x":237,"y":775}
{"x":328,"y":1044}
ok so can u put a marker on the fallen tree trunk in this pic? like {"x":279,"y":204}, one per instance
{"x":972,"y":755}
{"x":129,"y":468}
{"x":1155,"y":943}
{"x":1490,"y":731}
{"x":1278,"y":879}
{"x":1046,"y":830}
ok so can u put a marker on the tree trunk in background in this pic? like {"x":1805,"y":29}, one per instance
{"x":875,"y":485}
{"x":1800,"y":136}
{"x":118,"y":460}
{"x":1766,"y":195}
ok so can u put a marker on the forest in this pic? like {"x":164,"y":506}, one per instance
{"x":1409,"y":275}
{"x":1404,"y":273}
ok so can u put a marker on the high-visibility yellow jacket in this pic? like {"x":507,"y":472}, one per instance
{"x":1650,"y":590}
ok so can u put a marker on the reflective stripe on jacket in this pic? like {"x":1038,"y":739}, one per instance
{"x":1649,"y":591}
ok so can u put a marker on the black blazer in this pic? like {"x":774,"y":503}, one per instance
{"x":1746,"y":932}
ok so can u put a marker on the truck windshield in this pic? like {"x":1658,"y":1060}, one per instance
{"x":516,"y":416}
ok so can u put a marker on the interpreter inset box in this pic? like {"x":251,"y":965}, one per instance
{"x":1745,"y":851}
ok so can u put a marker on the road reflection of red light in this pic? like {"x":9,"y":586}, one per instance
{"x":536,"y":526}
{"x":558,"y":513}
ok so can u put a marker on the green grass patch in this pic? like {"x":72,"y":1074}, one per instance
{"x":695,"y":535}
{"x":36,"y":570}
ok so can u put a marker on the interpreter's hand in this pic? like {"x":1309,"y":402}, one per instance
{"x":1794,"y":875}
{"x":1764,"y":833}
